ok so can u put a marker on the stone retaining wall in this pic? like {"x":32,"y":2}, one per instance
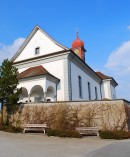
{"x":68,"y":115}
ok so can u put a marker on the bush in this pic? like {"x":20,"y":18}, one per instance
{"x":118,"y":135}
{"x":17,"y":129}
{"x":10,"y":129}
{"x":61,"y":133}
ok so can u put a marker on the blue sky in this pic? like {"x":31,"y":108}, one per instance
{"x":104,"y":26}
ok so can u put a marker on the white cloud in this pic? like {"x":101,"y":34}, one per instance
{"x":128,"y":27}
{"x":118,"y":66}
{"x":119,"y":59}
{"x":7,"y":51}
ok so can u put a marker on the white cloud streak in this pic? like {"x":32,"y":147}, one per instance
{"x":128,"y":27}
{"x":7,"y":51}
{"x":118,"y":66}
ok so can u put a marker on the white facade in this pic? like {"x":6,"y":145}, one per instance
{"x":67,"y":77}
{"x":75,"y":73}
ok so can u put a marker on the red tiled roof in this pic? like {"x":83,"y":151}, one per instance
{"x":102,"y":76}
{"x":33,"y":71}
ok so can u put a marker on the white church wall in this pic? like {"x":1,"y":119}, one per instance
{"x":75,"y":72}
{"x":50,"y":84}
{"x":54,"y":65}
{"x":56,"y":68}
{"x":106,"y":89}
{"x":103,"y":91}
{"x":67,"y":85}
{"x":113,"y":92}
{"x":39,"y":40}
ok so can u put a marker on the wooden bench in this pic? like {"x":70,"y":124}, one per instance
{"x":35,"y":127}
{"x":88,"y":130}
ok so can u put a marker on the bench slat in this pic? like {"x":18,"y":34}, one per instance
{"x":87,"y":130}
{"x":35,"y":127}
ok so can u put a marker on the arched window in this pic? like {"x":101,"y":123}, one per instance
{"x":80,"y":87}
{"x":96,"y":94}
{"x":89,"y":91}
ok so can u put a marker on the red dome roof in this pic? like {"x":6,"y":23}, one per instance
{"x":77,"y":43}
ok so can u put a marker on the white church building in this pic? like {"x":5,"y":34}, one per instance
{"x":49,"y":71}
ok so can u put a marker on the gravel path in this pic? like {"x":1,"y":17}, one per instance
{"x":39,"y":145}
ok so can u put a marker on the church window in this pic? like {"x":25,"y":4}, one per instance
{"x":80,"y":86}
{"x":37,"y":50}
{"x":96,"y":94}
{"x":89,"y":91}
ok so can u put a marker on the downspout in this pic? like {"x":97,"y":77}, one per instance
{"x":70,"y":84}
{"x":70,"y":77}
{"x":56,"y":88}
{"x":101,"y":90}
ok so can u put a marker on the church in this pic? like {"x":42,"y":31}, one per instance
{"x":49,"y":71}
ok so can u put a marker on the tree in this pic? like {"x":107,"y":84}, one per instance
{"x":9,"y":93}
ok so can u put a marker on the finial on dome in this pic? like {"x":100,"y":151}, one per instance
{"x":77,"y":32}
{"x":77,"y":42}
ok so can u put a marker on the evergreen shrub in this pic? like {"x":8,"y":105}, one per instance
{"x":117,"y":134}
{"x":11,"y":129}
{"x":61,"y":133}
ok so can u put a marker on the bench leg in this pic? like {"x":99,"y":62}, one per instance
{"x":97,"y":134}
{"x":24,"y":131}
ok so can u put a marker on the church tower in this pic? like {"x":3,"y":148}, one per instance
{"x":78,"y":47}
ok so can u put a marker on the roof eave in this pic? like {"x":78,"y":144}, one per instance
{"x":47,"y":74}
{"x":46,"y":55}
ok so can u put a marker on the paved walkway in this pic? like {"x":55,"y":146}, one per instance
{"x":117,"y":149}
{"x":39,"y":145}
